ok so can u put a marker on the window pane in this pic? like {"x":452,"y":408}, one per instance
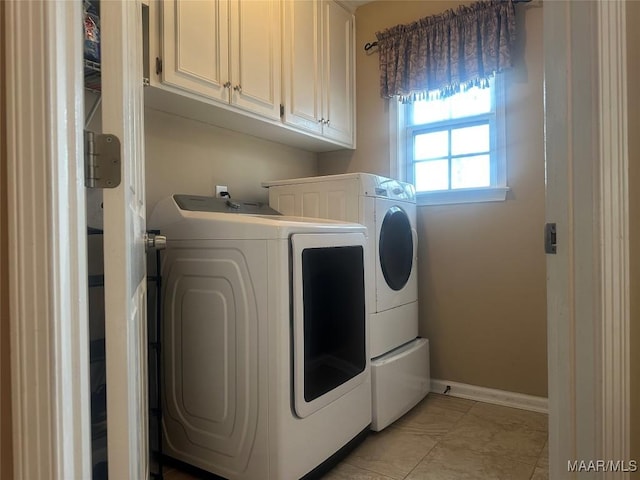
{"x":431,"y":145}
{"x":470,"y":140}
{"x":432,"y":175}
{"x":429,"y":111}
{"x":472,"y":102}
{"x":469,"y":172}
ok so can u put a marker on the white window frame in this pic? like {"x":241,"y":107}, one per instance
{"x":402,"y":155}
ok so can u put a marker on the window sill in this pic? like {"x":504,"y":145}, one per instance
{"x":469,"y":195}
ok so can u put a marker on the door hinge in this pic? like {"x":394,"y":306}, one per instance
{"x":158,"y":65}
{"x":281,"y":110}
{"x":101,"y":160}
{"x":550,"y":238}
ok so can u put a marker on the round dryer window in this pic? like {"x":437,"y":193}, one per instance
{"x":396,"y":248}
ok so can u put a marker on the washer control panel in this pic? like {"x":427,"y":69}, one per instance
{"x":197,"y":203}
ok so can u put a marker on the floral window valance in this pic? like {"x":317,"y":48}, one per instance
{"x":445,"y":53}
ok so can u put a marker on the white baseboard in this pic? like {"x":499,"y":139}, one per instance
{"x":490,"y":395}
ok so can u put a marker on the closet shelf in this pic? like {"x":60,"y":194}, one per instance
{"x":96,"y":281}
{"x":92,"y":76}
{"x":96,"y":351}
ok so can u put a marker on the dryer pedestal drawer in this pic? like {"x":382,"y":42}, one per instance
{"x":399,"y":380}
{"x":392,"y":328}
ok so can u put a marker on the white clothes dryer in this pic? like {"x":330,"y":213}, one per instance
{"x":266,"y":371}
{"x":387,"y":208}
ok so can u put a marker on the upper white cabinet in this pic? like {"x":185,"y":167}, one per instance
{"x":224,"y":50}
{"x":276,"y":69}
{"x":318,"y":69}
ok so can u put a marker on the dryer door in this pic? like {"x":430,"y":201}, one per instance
{"x":329,"y":318}
{"x":395,"y":248}
{"x":395,"y":254}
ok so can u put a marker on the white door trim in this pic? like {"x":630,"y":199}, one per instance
{"x":47,"y":241}
{"x":614,"y":232}
{"x":587,"y":194}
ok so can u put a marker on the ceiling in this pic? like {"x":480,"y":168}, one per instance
{"x":353,"y":4}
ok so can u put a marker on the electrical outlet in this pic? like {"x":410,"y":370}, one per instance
{"x":220,"y":189}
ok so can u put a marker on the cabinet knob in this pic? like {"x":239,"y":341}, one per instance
{"x":327,"y":122}
{"x":226,"y":84}
{"x":238,"y":88}
{"x":321,"y":121}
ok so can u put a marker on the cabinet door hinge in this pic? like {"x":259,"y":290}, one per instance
{"x":101,"y":160}
{"x":158,"y":65}
{"x":281,"y":110}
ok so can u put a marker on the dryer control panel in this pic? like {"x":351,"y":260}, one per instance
{"x":377,"y":186}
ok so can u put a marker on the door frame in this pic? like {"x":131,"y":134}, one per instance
{"x":47,"y":240}
{"x":588,"y":304}
{"x":47,"y":271}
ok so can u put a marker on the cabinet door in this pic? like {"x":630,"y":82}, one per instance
{"x":339,"y":73}
{"x":195,"y":47}
{"x":255,"y":56}
{"x":302,"y":64}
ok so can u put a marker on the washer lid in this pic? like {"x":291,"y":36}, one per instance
{"x":180,"y":224}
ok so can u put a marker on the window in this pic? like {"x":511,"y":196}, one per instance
{"x":455,"y":147}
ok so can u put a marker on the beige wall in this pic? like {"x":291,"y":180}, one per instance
{"x":186,"y":156}
{"x":6,"y":466}
{"x":633,"y":12}
{"x":481,"y":267}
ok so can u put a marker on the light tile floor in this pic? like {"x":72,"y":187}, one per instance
{"x":448,"y":438}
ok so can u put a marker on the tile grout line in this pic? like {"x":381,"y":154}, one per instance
{"x":439,"y":438}
{"x":372,"y":471}
{"x":422,"y":459}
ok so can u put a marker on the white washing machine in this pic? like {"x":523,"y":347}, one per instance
{"x":387,"y":207}
{"x":266,"y":371}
